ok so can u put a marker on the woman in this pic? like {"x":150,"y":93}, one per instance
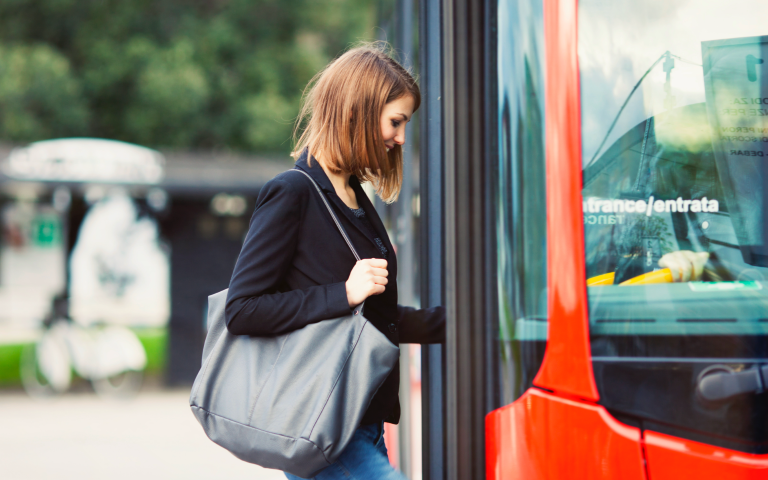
{"x":296,"y":269}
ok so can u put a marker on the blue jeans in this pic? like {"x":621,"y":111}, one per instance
{"x":365,"y":458}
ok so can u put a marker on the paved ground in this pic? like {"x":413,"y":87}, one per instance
{"x":80,"y":436}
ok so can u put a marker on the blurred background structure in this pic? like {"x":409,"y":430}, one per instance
{"x":134,"y":138}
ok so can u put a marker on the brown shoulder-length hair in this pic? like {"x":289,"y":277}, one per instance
{"x":341,"y":113}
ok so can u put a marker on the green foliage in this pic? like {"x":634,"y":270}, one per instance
{"x":267,"y":118}
{"x":10,"y":364}
{"x":170,"y":97}
{"x":154,"y":340}
{"x":39,"y":95}
{"x":168,"y":73}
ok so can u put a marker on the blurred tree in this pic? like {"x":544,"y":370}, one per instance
{"x":39,"y":96}
{"x":171,"y":93}
{"x":168,"y":73}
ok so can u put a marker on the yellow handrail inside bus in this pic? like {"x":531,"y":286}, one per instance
{"x":659,"y":276}
{"x":600,"y":280}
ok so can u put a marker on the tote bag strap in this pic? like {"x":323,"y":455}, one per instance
{"x":333,"y":215}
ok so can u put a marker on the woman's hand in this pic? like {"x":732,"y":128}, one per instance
{"x":368,"y":277}
{"x":685,"y":264}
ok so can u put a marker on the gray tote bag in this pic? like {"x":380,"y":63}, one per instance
{"x":292,"y":401}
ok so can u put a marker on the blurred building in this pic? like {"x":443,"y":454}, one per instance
{"x":131,"y":235}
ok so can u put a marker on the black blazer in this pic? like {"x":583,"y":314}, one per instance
{"x":294,"y":264}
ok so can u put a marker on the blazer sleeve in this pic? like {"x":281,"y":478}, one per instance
{"x":425,"y":325}
{"x":255,"y":304}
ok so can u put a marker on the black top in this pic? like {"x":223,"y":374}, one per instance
{"x":360,"y":215}
{"x":294,"y":264}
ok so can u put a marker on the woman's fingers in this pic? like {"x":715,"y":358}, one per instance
{"x":375,"y":262}
{"x":380,"y":272}
{"x":377,"y":270}
{"x":380,"y":280}
{"x":368,"y":277}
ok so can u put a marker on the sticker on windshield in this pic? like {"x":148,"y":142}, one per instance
{"x":723,"y":286}
{"x":735,"y":82}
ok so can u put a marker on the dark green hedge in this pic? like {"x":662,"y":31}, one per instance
{"x":154,"y":340}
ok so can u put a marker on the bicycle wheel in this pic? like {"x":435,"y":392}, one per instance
{"x":45,"y":366}
{"x":120,"y":361}
{"x":125,"y":384}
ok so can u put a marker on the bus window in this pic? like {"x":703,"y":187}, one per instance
{"x":521,"y":196}
{"x":674,"y":99}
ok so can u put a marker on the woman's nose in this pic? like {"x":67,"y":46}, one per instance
{"x":400,"y":137}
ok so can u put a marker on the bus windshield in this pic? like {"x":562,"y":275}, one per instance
{"x":674,"y":99}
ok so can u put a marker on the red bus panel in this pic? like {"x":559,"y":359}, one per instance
{"x":671,"y":458}
{"x":543,"y":436}
{"x":567,"y":367}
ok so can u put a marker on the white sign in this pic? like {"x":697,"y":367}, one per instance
{"x":85,"y":160}
{"x":736,"y":84}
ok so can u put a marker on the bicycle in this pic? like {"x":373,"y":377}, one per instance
{"x":111,"y":357}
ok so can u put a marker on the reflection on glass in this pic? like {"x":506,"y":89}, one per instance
{"x":521,"y":195}
{"x":674,"y":152}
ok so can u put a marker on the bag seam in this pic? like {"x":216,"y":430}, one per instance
{"x":255,"y":401}
{"x":338,"y":377}
{"x":265,"y":431}
{"x":241,"y":423}
{"x":322,"y":452}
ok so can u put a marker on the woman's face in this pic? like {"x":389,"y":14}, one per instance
{"x":394,"y":116}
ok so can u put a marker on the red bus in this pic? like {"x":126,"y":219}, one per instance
{"x":594,"y":219}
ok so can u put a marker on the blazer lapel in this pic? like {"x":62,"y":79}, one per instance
{"x":372,"y":214}
{"x":318,"y":175}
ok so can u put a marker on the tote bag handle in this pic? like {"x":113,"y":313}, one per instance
{"x":333,"y":215}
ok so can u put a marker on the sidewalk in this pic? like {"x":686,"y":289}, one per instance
{"x":82,"y":437}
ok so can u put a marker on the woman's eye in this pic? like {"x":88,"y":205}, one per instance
{"x":395,"y":123}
